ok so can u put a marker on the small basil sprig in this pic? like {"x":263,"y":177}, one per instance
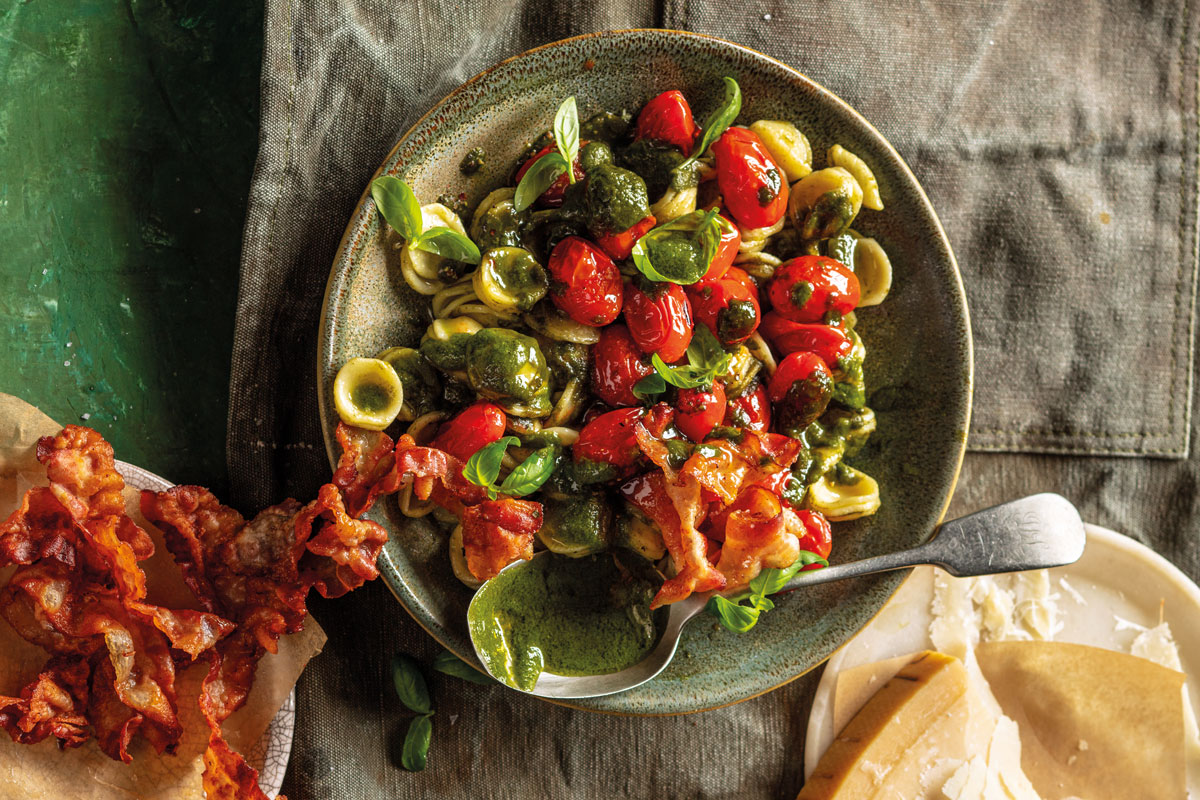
{"x":399,"y":206}
{"x":741,"y":615}
{"x":718,"y":121}
{"x":706,"y":360}
{"x":414,"y":694}
{"x":545,"y":171}
{"x":706,"y":229}
{"x":483,"y":467}
{"x":450,"y":664}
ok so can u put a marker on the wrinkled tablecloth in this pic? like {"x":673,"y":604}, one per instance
{"x":1058,"y":143}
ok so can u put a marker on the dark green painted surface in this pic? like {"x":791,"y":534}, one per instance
{"x":127,"y":138}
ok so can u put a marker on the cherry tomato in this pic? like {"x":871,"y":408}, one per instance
{"x":827,"y":341}
{"x":800,"y":390}
{"x":817,"y":538}
{"x":659,"y":321}
{"x":616,"y":366}
{"x":750,"y":410}
{"x":728,"y":306}
{"x":667,"y":119}
{"x":620,"y":245}
{"x":587,"y":284}
{"x":610,"y":438}
{"x":552,"y":197}
{"x":475,"y":426}
{"x":753,"y":186}
{"x":805,"y":289}
{"x":727,"y":248}
{"x":698,"y":410}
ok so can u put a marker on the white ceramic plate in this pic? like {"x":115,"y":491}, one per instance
{"x":270,"y":754}
{"x":1116,"y":577}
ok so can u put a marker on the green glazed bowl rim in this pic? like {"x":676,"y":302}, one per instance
{"x":888,"y":583}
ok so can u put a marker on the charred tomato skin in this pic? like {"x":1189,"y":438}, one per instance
{"x":610,"y":438}
{"x":585,"y":284}
{"x":728,"y":306}
{"x":800,"y":391}
{"x":659,"y":317}
{"x":476,"y":425}
{"x":753,"y":186}
{"x":807,"y":288}
{"x":617,"y":365}
{"x":699,"y":410}
{"x":667,"y":119}
{"x":750,"y":409}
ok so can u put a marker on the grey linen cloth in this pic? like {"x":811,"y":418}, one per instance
{"x":1058,"y":143}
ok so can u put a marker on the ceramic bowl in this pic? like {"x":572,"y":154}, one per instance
{"x":918,"y":366}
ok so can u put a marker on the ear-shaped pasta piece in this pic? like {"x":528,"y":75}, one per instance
{"x":419,"y":268}
{"x":824,"y":203}
{"x":674,"y":204}
{"x":841,"y":157}
{"x":787,"y":145}
{"x":873,"y":269}
{"x":509,"y":280}
{"x":755,"y":239}
{"x":852,"y":495}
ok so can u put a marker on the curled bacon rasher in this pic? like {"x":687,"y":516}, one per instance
{"x":497,"y":533}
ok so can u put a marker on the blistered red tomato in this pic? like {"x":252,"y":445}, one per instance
{"x":728,"y":306}
{"x":586,"y":283}
{"x":827,"y":341}
{"x":659,"y":320}
{"x":552,"y":197}
{"x":750,"y":409}
{"x":727,"y":248}
{"x":667,"y":119}
{"x":818,"y":537}
{"x":475,"y":426}
{"x":754,"y":188}
{"x":620,"y":245}
{"x":610,"y":438}
{"x":698,"y":410}
{"x":800,"y":390}
{"x":616,"y":366}
{"x":807,"y":288}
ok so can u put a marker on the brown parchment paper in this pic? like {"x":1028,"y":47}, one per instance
{"x":42,"y":771}
{"x":1094,"y":723}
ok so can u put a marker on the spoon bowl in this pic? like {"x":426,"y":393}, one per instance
{"x":1035,"y":532}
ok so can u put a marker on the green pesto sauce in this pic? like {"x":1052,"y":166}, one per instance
{"x":677,"y":255}
{"x":616,"y":199}
{"x":370,"y":397}
{"x":566,"y":616}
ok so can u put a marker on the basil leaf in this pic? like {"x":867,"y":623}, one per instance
{"x":705,"y":228}
{"x":770,"y":581}
{"x":449,"y":664}
{"x":735,"y":617}
{"x":719,"y":120}
{"x":709,"y":235}
{"x":483,"y":467}
{"x":706,"y":352}
{"x":566,"y":133}
{"x":410,"y":684}
{"x":398,"y":205}
{"x":538,"y":178}
{"x":648,"y":386}
{"x":641,"y":260}
{"x":531,"y":473}
{"x":448,"y":243}
{"x":416,"y":744}
{"x":681,"y":377}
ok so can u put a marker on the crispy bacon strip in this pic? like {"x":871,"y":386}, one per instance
{"x":366,"y":460}
{"x":756,"y":537}
{"x":40,"y":528}
{"x":52,"y":705}
{"x":346,"y":548}
{"x":497,"y":533}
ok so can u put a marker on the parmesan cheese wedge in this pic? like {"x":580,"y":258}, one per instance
{"x":908,"y":738}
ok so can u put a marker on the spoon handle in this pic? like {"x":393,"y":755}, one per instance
{"x":1035,"y":532}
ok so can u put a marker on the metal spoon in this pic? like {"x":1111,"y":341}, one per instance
{"x":1035,"y":532}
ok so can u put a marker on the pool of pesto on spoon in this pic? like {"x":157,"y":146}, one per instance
{"x":564,"y":616}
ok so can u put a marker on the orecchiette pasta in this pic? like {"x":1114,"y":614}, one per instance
{"x":841,"y":157}
{"x":787,"y":145}
{"x":850,"y":497}
{"x":873,"y":269}
{"x":420,"y":269}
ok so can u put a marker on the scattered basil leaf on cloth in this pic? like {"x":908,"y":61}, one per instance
{"x":719,"y":120}
{"x":416,"y":743}
{"x":410,"y":684}
{"x":449,"y":664}
{"x":530,"y":474}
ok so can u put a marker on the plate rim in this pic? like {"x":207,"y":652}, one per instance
{"x":325,"y":338}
